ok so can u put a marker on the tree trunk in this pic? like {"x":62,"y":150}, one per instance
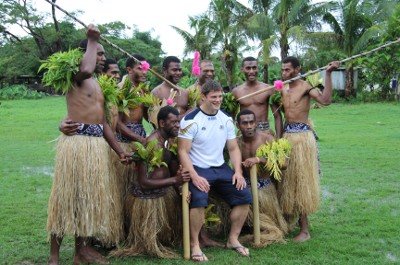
{"x":58,"y":42}
{"x":349,"y":89}
{"x":265,"y":73}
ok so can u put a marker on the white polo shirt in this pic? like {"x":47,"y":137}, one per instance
{"x":209,"y":134}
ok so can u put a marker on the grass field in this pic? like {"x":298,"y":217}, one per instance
{"x":358,"y":221}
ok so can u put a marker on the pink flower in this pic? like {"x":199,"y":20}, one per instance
{"x":144,"y":66}
{"x":170,"y":101}
{"x":278,"y":84}
{"x":195,"y":65}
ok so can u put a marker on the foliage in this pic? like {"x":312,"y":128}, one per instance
{"x":110,"y":91}
{"x":150,"y":154}
{"x":129,"y":97}
{"x":379,"y":68}
{"x":210,"y":217}
{"x":229,"y":104}
{"x":61,"y":67}
{"x":194,"y":97}
{"x":315,"y":80}
{"x":19,"y":92}
{"x":276,"y":154}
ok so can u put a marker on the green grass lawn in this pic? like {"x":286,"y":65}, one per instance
{"x":358,"y":221}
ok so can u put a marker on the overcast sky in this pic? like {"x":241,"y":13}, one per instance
{"x":148,"y":15}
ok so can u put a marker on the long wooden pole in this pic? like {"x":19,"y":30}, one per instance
{"x":114,"y":46}
{"x":256,"y":210}
{"x":185,"y":221}
{"x":320,"y":69}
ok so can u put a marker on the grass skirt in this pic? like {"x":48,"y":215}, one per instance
{"x":298,"y":190}
{"x":154,"y":226}
{"x":272,"y":223}
{"x":124,"y":173}
{"x":82,"y":201}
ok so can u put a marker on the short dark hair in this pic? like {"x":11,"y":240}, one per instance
{"x":244,"y":112}
{"x":107,"y":63}
{"x":170,"y":59}
{"x":131,"y":62}
{"x":293,"y":60}
{"x":83,"y":44}
{"x":248,"y":59}
{"x":164,"y":112}
{"x":210,"y":85}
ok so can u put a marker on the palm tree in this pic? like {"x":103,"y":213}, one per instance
{"x":220,"y":29}
{"x":358,"y":24}
{"x":277,"y":23}
{"x":227,"y":26}
{"x":199,"y":41}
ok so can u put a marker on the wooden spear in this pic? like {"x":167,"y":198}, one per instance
{"x":256,"y":210}
{"x":185,"y":221}
{"x":320,"y":69}
{"x":115,"y":46}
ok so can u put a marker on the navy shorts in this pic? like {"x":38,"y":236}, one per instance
{"x":220,"y":180}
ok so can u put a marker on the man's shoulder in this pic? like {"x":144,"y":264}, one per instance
{"x":238,"y":89}
{"x":191,"y":115}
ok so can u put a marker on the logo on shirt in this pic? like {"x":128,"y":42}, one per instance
{"x":203,"y":128}
{"x":184,"y":130}
{"x":212,"y":118}
{"x":221,"y":127}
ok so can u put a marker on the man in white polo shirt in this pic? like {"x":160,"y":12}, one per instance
{"x":203,"y":135}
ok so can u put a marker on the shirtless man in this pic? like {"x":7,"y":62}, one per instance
{"x":130,"y":128}
{"x":299,"y":189}
{"x":206,"y":73}
{"x":258,"y":104}
{"x":81,"y":176}
{"x":111,"y":69}
{"x":273,"y":225}
{"x":152,"y":211}
{"x":173,"y":72}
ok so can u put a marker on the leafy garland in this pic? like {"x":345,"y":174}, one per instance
{"x":194,"y":97}
{"x":129,"y":97}
{"x":230,"y":103}
{"x":315,"y":81}
{"x":109,"y":88}
{"x":151,"y":155}
{"x":276,"y":154}
{"x":61,"y":67}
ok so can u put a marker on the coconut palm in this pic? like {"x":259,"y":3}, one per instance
{"x":227,"y":26}
{"x":199,"y":41}
{"x":357,"y":24}
{"x":277,"y":23}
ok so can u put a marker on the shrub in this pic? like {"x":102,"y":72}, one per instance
{"x":19,"y":92}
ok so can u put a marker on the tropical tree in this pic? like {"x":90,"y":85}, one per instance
{"x":227,"y":27}
{"x":355,"y":25}
{"x":221,"y":30}
{"x":278,"y":23}
{"x":199,"y":41}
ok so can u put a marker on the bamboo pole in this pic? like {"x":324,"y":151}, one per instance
{"x":114,"y":46}
{"x":320,"y":69}
{"x":256,"y":210}
{"x":185,"y":221}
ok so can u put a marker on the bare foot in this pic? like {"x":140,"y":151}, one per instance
{"x":88,"y":255}
{"x":303,"y":236}
{"x":205,"y":241}
{"x":90,"y":251}
{"x":78,"y":259}
{"x":52,"y":261}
